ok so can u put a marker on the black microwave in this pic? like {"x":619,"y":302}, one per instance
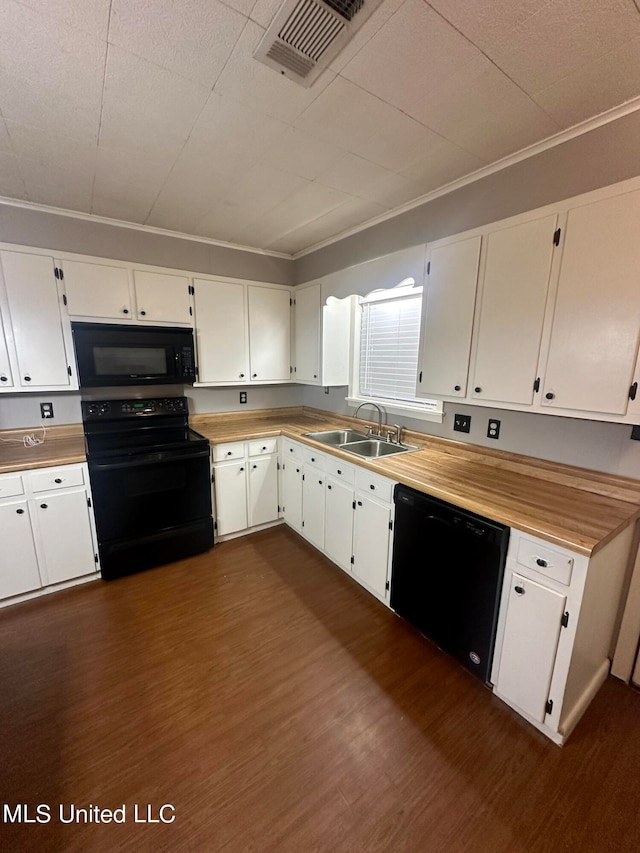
{"x":109,"y":355}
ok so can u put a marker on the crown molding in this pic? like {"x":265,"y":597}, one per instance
{"x":134,"y":226}
{"x":524,"y":154}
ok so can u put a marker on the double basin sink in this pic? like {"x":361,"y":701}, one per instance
{"x":365,"y":446}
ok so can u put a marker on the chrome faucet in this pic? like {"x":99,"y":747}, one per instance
{"x":375,"y":406}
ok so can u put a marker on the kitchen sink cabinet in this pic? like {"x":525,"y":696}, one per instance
{"x":36,"y":352}
{"x":48,"y":529}
{"x":322,"y":338}
{"x":245,"y":485}
{"x":338,"y":531}
{"x":313,"y":505}
{"x":372,"y":544}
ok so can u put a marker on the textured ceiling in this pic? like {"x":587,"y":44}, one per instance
{"x":155,"y":112}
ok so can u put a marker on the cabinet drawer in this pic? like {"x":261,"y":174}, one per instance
{"x":292,"y":450}
{"x":11,"y":485}
{"x":312,"y":457}
{"x":544,"y":559}
{"x":341,"y":470}
{"x":372,"y":484}
{"x":230,"y":450}
{"x":56,"y":478}
{"x":263,"y":446}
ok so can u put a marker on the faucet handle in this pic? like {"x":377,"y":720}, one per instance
{"x":398,"y":433}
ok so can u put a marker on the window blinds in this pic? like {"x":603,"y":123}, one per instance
{"x":389,"y":338}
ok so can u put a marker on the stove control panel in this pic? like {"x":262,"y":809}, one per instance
{"x":117,"y":409}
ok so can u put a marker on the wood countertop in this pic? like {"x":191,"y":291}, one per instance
{"x":63,"y":445}
{"x":573,"y":507}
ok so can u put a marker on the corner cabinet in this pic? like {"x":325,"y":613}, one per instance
{"x":36,"y":352}
{"x":243,"y":332}
{"x":48,"y":529}
{"x":556,"y":625}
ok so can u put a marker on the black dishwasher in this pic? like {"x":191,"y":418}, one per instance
{"x":447,"y":574}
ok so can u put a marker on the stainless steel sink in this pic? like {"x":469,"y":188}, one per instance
{"x":366,"y":446}
{"x":375,"y":448}
{"x":336,"y":437}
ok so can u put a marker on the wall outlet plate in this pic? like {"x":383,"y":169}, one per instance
{"x":493,"y":428}
{"x":462,"y":423}
{"x":46,"y":411}
{"x":243,"y":396}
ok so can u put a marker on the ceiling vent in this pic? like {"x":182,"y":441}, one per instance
{"x":306,"y":35}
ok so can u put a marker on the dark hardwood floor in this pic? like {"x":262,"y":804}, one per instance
{"x":278,"y":707}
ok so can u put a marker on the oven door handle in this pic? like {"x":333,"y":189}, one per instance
{"x":149,"y":459}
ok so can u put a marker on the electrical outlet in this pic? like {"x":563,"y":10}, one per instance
{"x":243,"y":396}
{"x":462,"y":423}
{"x":493,"y":428}
{"x":46,"y":410}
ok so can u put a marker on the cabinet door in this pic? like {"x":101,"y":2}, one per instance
{"x":269,"y":334}
{"x":263,"y":490}
{"x":18,"y":561}
{"x":596,"y":321}
{"x":307,"y":335}
{"x":6,"y":376}
{"x":231,"y":497}
{"x":97,"y":290}
{"x":221,"y":332}
{"x":447,"y":319}
{"x":371,"y":536}
{"x":338,"y":523}
{"x":313,"y":489}
{"x":65,"y":535}
{"x":162,"y":298}
{"x":292,"y":493}
{"x":532,"y":631}
{"x":514,"y":296}
{"x":38,"y":335}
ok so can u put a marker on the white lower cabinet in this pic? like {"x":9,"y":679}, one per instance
{"x":557,"y":622}
{"x":245,"y":485}
{"x":48,"y":529}
{"x":342,"y":509}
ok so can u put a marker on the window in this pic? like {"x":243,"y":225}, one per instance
{"x":386,"y":356}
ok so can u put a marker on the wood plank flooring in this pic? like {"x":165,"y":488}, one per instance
{"x":279,"y":707}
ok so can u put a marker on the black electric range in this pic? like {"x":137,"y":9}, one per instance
{"x":151,"y":482}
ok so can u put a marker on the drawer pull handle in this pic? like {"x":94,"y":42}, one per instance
{"x":27,"y":379}
{"x":264,"y":447}
{"x":44,"y":506}
{"x":58,"y":480}
{"x":229,"y":452}
{"x":371,"y":486}
{"x":541,"y":562}
{"x":339,"y":471}
{"x":313,"y":458}
{"x":519,"y":590}
{"x":20,"y":511}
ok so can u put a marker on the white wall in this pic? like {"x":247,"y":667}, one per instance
{"x":587,"y":444}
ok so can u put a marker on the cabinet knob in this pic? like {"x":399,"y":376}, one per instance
{"x":58,"y":480}
{"x":3,"y":378}
{"x":339,"y":471}
{"x":125,"y":310}
{"x":315,"y":375}
{"x":319,"y":482}
{"x":329,"y":486}
{"x":242,"y":469}
{"x":254,"y":466}
{"x":44,"y":506}
{"x":242,"y":376}
{"x":20,"y":511}
{"x":264,"y":447}
{"x":229,"y":452}
{"x":541,"y":562}
{"x":254,"y":375}
{"x":549,"y":395}
{"x":477,"y":389}
{"x":27,"y":379}
{"x":359,"y":503}
{"x":143,"y":313}
{"x":313,"y":458}
{"x":519,"y":590}
{"x":297,"y":470}
{"x":457,"y":387}
{"x":371,"y":486}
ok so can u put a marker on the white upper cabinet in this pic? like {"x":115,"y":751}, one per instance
{"x":97,"y":291}
{"x":447,"y":318}
{"x":6,"y":374}
{"x":162,"y":298}
{"x":269,"y":334}
{"x":42,"y":348}
{"x":513,"y":298}
{"x":322,"y":337}
{"x":307,"y":335}
{"x":221,"y":332}
{"x":596,"y":320}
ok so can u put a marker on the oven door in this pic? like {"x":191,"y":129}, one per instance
{"x":146,"y":494}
